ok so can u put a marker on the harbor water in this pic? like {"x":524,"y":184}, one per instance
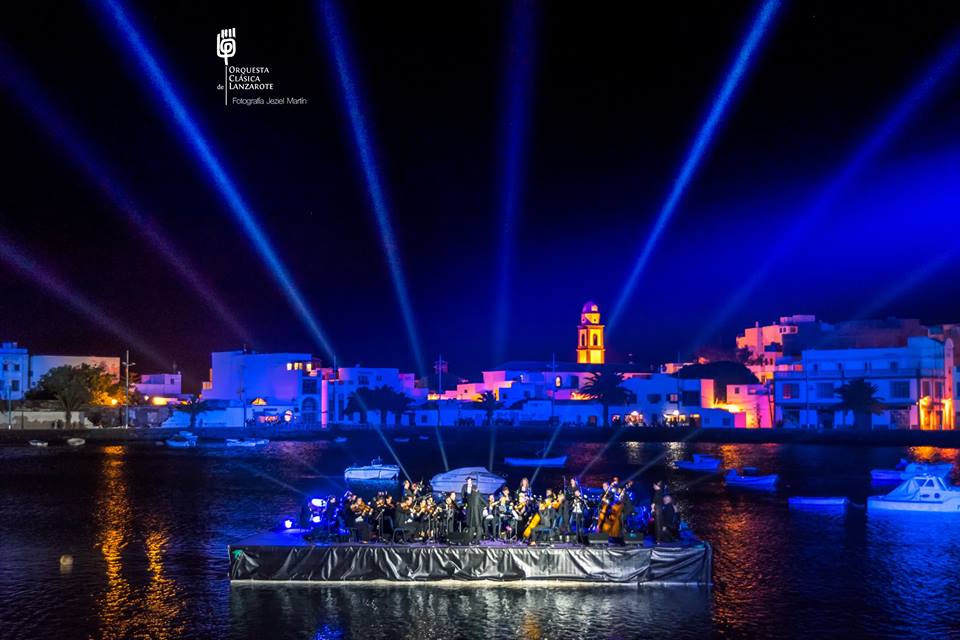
{"x":146,"y":529}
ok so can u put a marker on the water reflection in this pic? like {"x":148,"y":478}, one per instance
{"x":421,"y":611}
{"x":126,"y":609}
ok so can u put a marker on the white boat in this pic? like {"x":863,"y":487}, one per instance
{"x":556,"y":462}
{"x":423,"y":437}
{"x":189,"y":435}
{"x":911,"y":470}
{"x":750,"y":479}
{"x":76,"y":442}
{"x":180,"y":442}
{"x":340,"y":439}
{"x":375,"y":471}
{"x":803,"y":502}
{"x":927,"y":493}
{"x":401,"y":439}
{"x":454,"y":480}
{"x":246,"y":442}
{"x":37,"y":443}
{"x":707,"y":464}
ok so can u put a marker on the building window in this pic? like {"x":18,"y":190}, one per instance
{"x":691,"y":398}
{"x":825,"y":390}
{"x":653,"y":398}
{"x":925,"y":388}
{"x":894,"y":365}
{"x":937,"y":390}
{"x":866,"y":366}
{"x":583,"y":340}
{"x":309,"y":386}
{"x":791,"y":391}
{"x":423,"y":418}
{"x":672,"y":397}
{"x":364,"y":381}
{"x":899,"y":389}
{"x":815,"y":367}
{"x":14,"y":385}
{"x":16,"y":366}
{"x":736,"y":391}
{"x":596,"y":340}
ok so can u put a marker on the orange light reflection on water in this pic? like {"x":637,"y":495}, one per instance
{"x":125,"y":610}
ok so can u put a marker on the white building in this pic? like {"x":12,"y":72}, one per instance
{"x":915,"y":384}
{"x":160,"y":384}
{"x":14,"y":372}
{"x":264,"y":378}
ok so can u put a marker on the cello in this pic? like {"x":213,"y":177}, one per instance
{"x":602,"y":513}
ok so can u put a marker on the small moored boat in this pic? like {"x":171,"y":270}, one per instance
{"x":924,"y":493}
{"x":804,"y":502}
{"x":246,"y":442}
{"x":37,"y":443}
{"x":76,"y":442}
{"x":555,"y":462}
{"x":375,"y":471}
{"x":340,"y":439}
{"x":454,"y":480}
{"x":751,"y":478}
{"x":702,"y":463}
{"x":180,"y":442}
{"x":401,"y":440}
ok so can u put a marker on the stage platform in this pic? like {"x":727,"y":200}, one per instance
{"x":286,"y":556}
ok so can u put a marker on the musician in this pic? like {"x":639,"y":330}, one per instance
{"x":669,"y":522}
{"x":659,"y":490}
{"x":606,"y":497}
{"x":525,"y":488}
{"x":473,"y":501}
{"x":507,"y":514}
{"x":451,"y":514}
{"x":491,"y":520}
{"x":565,"y":508}
{"x":548,"y":510}
{"x":360,"y":512}
{"x":407,"y":488}
{"x":627,"y":508}
{"x":578,"y":510}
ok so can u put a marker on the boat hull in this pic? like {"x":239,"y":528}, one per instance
{"x":881,"y":503}
{"x":374,"y":473}
{"x":818,"y":503}
{"x":698,"y":467}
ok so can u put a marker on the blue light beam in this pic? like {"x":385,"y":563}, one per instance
{"x":55,"y":126}
{"x":361,"y":137}
{"x":33,"y":271}
{"x":209,"y":161}
{"x":519,"y":68}
{"x":760,"y":25}
{"x":918,"y":95}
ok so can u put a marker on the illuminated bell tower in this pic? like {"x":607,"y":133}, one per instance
{"x":590,"y":349}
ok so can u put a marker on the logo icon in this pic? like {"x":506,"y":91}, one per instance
{"x":226,"y":49}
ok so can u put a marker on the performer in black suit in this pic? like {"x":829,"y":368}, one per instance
{"x":474,"y":503}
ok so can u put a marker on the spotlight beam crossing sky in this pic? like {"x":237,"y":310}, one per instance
{"x":701,"y":143}
{"x":31,"y":270}
{"x":519,"y":72}
{"x":55,"y":126}
{"x":195,"y":139}
{"x":911,"y":102}
{"x":364,"y":145}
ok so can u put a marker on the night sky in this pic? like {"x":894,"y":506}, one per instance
{"x":614,"y":101}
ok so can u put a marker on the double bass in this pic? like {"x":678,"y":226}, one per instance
{"x":603,"y":512}
{"x":613,"y":523}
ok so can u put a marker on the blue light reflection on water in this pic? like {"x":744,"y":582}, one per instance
{"x":148,"y":528}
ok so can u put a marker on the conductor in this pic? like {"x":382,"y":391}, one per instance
{"x":474,"y":503}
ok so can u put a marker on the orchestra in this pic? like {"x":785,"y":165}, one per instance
{"x":570,"y":514}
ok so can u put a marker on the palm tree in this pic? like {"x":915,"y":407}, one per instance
{"x":488,"y":403}
{"x":399,"y":405}
{"x":608,"y":390}
{"x":860,"y":398}
{"x":194,"y":407}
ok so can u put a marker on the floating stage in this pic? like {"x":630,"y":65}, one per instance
{"x":286,"y":556}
